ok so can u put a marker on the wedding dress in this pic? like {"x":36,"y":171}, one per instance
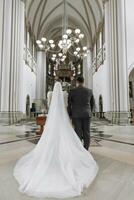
{"x":58,"y":166}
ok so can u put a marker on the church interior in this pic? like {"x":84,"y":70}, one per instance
{"x":42,"y":41}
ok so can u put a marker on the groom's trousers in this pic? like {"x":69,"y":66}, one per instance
{"x":82,"y":128}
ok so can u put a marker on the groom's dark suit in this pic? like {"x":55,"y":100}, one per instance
{"x":80,"y":106}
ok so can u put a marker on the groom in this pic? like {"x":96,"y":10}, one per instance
{"x":80,"y":107}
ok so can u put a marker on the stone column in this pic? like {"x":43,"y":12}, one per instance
{"x":87,"y":70}
{"x":10,"y":61}
{"x":41,"y":79}
{"x":116,"y":59}
{"x":21,"y":59}
{"x":2,"y":5}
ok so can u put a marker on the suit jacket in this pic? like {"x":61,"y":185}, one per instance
{"x":80,"y":102}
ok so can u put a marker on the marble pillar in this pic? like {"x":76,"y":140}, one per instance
{"x":41,"y":80}
{"x":116,"y":60}
{"x":10,"y":60}
{"x":87,"y":70}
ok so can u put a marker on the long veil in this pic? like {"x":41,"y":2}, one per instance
{"x":58,"y":166}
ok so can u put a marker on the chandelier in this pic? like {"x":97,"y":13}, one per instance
{"x":69,"y":43}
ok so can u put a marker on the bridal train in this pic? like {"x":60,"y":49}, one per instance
{"x":58,"y":166}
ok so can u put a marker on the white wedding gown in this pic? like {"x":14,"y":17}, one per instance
{"x":58,"y":166}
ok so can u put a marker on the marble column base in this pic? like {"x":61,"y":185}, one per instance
{"x":11,"y":117}
{"x":118,"y":117}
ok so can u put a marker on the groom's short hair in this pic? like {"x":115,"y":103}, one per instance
{"x":80,"y":79}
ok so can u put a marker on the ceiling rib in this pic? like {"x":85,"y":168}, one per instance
{"x":41,"y":15}
{"x":49,"y":14}
{"x":87,"y":26}
{"x":36,"y":14}
{"x":39,"y":19}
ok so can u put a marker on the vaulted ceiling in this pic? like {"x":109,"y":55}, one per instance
{"x":45,"y":17}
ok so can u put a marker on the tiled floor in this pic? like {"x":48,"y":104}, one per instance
{"x":115,"y":180}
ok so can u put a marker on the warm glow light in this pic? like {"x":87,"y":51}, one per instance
{"x":60,"y":54}
{"x":69,"y":38}
{"x":81,"y":36}
{"x":77,"y":40}
{"x":38,"y":41}
{"x":68,"y":31}
{"x":62,"y":59}
{"x":84,"y":48}
{"x":43,"y":39}
{"x":75,"y":53}
{"x":78,"y":49}
{"x":65,"y":36}
{"x":41,"y":46}
{"x":77,"y":31}
{"x":51,"y":41}
{"x":52,"y":45}
{"x":53,"y":58}
{"x":54,"y":55}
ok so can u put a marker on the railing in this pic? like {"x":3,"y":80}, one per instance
{"x":99,"y":59}
{"x":29,"y":59}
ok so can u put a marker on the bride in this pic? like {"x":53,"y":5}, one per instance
{"x":59,"y":166}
